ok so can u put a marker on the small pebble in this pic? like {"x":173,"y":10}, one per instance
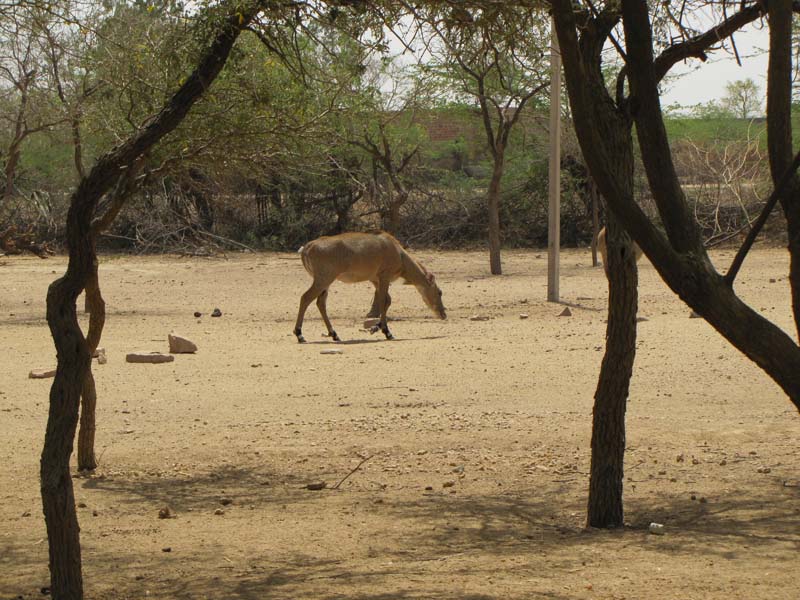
{"x":656,"y":528}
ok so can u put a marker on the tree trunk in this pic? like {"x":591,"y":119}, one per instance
{"x":72,"y":349}
{"x":20,"y":133}
{"x":494,"y":215}
{"x":393,"y":218}
{"x":779,"y":134}
{"x":605,"y":507}
{"x":10,"y":169}
{"x":58,"y":501}
{"x":97,"y":310}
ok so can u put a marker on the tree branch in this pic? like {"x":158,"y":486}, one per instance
{"x":776,"y":194}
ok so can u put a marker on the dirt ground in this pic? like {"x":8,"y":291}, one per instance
{"x":475,"y":437}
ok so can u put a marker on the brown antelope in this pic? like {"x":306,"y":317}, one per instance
{"x":601,"y":246}
{"x":354,"y":257}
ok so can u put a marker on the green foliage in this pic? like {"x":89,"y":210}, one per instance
{"x":714,"y":128}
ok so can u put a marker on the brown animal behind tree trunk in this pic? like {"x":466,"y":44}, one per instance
{"x":605,"y":505}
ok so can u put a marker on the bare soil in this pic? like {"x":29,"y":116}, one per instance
{"x":473,"y":434}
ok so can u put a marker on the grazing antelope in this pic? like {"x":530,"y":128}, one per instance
{"x":354,"y":257}
{"x":601,"y":246}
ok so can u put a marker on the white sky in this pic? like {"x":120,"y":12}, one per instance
{"x":702,"y":82}
{"x":695,"y":82}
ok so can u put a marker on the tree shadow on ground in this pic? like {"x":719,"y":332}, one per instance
{"x":376,"y":340}
{"x":438,"y":545}
{"x":23,"y":561}
{"x":252,"y":486}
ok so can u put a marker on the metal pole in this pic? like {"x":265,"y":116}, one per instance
{"x":554,"y":212}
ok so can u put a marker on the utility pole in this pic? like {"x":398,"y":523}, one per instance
{"x":554,"y":191}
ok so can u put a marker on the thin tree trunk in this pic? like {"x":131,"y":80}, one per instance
{"x":605,"y":505}
{"x":10,"y":170}
{"x":77,"y":146}
{"x":393,"y":221}
{"x":495,"y":263}
{"x":97,"y":319}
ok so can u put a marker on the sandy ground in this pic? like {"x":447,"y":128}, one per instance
{"x":475,"y":435}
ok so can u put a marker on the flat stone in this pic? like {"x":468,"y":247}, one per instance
{"x":523,"y":316}
{"x":148,"y":357}
{"x":332,"y":352}
{"x":42,"y":374}
{"x":479,"y":318}
{"x":566,"y":312}
{"x":181,"y":345}
{"x":216,"y":313}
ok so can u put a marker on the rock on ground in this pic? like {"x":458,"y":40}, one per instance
{"x":149,"y":357}
{"x":181,"y":345}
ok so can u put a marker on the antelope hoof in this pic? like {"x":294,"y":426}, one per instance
{"x":375,"y":329}
{"x":388,"y":335}
{"x":300,"y":338}
{"x":335,"y":336}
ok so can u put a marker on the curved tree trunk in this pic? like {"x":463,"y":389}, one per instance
{"x":605,"y":506}
{"x":58,"y":501}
